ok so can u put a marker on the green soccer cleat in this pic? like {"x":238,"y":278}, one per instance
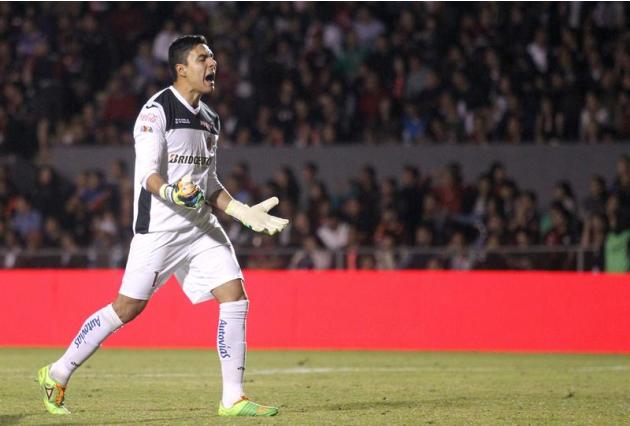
{"x":245,"y":407}
{"x":53,"y":392}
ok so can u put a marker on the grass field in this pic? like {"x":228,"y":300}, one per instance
{"x":160,"y":387}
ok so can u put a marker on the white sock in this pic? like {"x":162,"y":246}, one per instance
{"x":96,"y":328}
{"x":231,"y":347}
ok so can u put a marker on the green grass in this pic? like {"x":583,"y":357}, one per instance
{"x":159,"y":387}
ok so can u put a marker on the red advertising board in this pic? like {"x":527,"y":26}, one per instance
{"x":405,"y":310}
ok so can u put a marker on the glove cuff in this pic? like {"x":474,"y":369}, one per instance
{"x":166,"y":192}
{"x":235,"y":209}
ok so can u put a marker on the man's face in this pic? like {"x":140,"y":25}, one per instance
{"x":201,"y":69}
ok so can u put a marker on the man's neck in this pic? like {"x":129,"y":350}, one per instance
{"x":187,"y":93}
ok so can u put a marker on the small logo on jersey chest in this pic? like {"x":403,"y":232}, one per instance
{"x":182,"y":121}
{"x":209,"y":127}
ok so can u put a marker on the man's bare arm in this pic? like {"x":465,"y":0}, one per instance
{"x":154,"y":183}
{"x":220,"y":199}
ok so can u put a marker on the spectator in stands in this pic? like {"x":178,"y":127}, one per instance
{"x":310,"y":256}
{"x":52,"y":233}
{"x":364,"y":57}
{"x":450,"y":189}
{"x":120,"y":105}
{"x":288,"y":188}
{"x":389,"y":226}
{"x":593,"y":119}
{"x":333,"y":232}
{"x":460,"y":256}
{"x":563,"y":194}
{"x":389,"y":195}
{"x":7,"y":191}
{"x":94,"y":216}
{"x":522,"y":260}
{"x":411,"y":195}
{"x":12,"y":249}
{"x":298,"y":229}
{"x":97,"y":196}
{"x":491,"y":257}
{"x":146,"y":65}
{"x":617,"y":243}
{"x":71,"y":254}
{"x":163,"y":39}
{"x":50,"y":192}
{"x":558,"y":236}
{"x":419,"y":258}
{"x":26,"y":221}
{"x":483,"y":194}
{"x":593,"y":240}
{"x":310,"y":178}
{"x":549,"y":123}
{"x":525,"y":216}
{"x":595,"y":202}
{"x":621,"y":185}
{"x":310,"y":76}
{"x":385,"y":256}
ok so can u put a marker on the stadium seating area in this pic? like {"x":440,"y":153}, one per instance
{"x":305,"y":74}
{"x":451,"y":224}
{"x":301,"y":74}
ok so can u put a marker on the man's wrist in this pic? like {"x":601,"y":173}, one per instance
{"x":235,"y":209}
{"x":166,"y":192}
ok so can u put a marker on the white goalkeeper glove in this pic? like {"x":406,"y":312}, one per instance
{"x":183,"y":193}
{"x":256,"y":217}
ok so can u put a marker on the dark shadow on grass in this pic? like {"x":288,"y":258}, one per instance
{"x":14,"y":419}
{"x":363,"y":405}
{"x":170,"y":409}
{"x":11,"y":419}
{"x":169,"y":420}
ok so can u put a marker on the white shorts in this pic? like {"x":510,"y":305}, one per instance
{"x":201,"y":261}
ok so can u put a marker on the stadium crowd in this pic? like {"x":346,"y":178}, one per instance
{"x":415,"y":221}
{"x":300,"y":73}
{"x":305,"y":74}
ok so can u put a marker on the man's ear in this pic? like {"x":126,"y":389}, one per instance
{"x":181,"y":70}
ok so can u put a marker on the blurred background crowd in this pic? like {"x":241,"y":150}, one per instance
{"x":415,"y":220}
{"x":305,"y":73}
{"x":309,"y":74}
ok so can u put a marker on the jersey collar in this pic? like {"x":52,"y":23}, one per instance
{"x":185,"y":102}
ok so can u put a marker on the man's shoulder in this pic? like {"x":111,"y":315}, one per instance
{"x":161,"y":98}
{"x":209,"y":111}
{"x":211,"y":115}
{"x":154,"y":112}
{"x":167,"y":105}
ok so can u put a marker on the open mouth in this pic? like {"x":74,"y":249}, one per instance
{"x":210,"y":77}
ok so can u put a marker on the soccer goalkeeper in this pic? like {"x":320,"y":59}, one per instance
{"x":175,"y":231}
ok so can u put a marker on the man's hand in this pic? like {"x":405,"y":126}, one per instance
{"x":183,"y":193}
{"x":256,"y":217}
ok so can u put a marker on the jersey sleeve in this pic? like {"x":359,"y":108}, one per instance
{"x":150,"y":141}
{"x":213,"y":184}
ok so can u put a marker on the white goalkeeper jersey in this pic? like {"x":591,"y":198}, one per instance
{"x":174,"y":139}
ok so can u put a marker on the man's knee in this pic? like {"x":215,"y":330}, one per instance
{"x":127,"y":308}
{"x":231,"y":291}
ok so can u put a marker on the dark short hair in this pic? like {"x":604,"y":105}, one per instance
{"x":179,"y":49}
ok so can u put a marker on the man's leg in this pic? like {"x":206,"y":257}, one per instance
{"x":231,"y":346}
{"x":232,"y":349}
{"x":96,"y":328}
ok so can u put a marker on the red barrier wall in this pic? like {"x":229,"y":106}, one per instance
{"x":485,"y":311}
